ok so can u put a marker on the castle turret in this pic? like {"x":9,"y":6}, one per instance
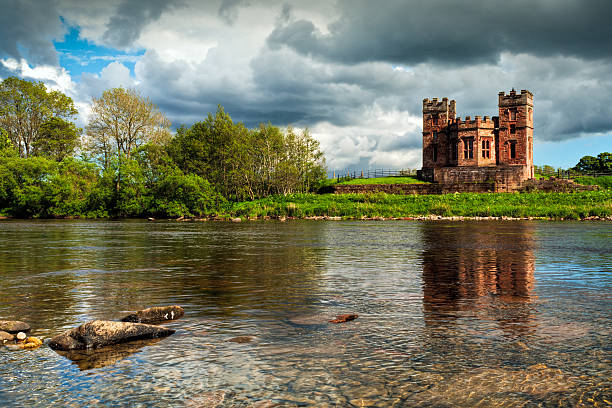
{"x":437,"y":115}
{"x":515,"y":138}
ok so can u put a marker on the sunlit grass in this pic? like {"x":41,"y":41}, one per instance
{"x":577,"y":205}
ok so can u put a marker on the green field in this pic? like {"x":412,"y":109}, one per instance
{"x":578,"y":205}
{"x":383,"y":180}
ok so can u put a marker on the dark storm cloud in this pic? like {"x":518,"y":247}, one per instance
{"x":131,"y":17}
{"x":228,"y":10}
{"x":461,"y":32}
{"x":27,"y":29}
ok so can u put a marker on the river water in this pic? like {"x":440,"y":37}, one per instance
{"x":451,"y":314}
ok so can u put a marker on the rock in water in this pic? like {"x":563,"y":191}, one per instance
{"x":100,"y":333}
{"x":6,"y":337}
{"x":155,"y":315}
{"x":14,"y":326}
{"x":344,"y":318}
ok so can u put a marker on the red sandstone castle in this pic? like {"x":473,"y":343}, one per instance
{"x":496,"y":150}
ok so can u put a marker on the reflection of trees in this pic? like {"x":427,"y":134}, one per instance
{"x":54,"y":273}
{"x":36,"y":284}
{"x":468,"y":264}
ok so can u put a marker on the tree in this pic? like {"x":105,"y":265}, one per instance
{"x":25,"y":106}
{"x":121,"y":121}
{"x":590,"y":164}
{"x":58,"y":140}
{"x":605,"y":161}
{"x":246,"y":163}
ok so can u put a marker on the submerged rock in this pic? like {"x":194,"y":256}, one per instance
{"x":344,"y":318}
{"x":156,"y":314}
{"x":241,"y":339}
{"x":14,"y":326}
{"x":105,"y":356}
{"x":211,"y":399}
{"x":100,"y":333}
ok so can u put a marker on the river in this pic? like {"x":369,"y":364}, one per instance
{"x":451,"y":314}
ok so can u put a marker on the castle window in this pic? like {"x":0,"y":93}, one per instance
{"x":435,"y":136}
{"x":513,"y":114}
{"x":434,"y":120}
{"x":513,"y":149}
{"x":435,"y":153}
{"x":454,"y":150}
{"x":468,"y":148}
{"x":486,"y":149}
{"x":530,"y":111}
{"x":512,"y":129}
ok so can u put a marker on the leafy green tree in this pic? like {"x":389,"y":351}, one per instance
{"x":245,"y":164}
{"x":25,"y":106}
{"x":123,"y":120}
{"x":605,"y":161}
{"x":59,"y":139}
{"x":590,"y":164}
{"x":587,"y":164}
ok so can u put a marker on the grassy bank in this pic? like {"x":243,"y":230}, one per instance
{"x":601,"y":181}
{"x":521,"y":205}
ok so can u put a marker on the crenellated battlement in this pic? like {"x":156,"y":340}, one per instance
{"x":514,"y":99}
{"x":469,"y":123}
{"x":435,"y":106}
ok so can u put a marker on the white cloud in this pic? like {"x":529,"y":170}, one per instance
{"x":56,"y":78}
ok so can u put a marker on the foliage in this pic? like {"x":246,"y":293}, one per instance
{"x":383,"y":180}
{"x":122,"y":120}
{"x":600,"y":164}
{"x":25,"y":106}
{"x":58,"y":140}
{"x":40,"y":187}
{"x":244,"y":164}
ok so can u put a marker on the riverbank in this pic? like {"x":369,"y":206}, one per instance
{"x":584,"y":205}
{"x":532,"y":205}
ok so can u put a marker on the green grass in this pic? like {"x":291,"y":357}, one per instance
{"x":383,"y":180}
{"x":534,"y":204}
{"x":601,"y":181}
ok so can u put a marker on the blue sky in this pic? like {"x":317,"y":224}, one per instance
{"x":78,"y":55}
{"x":351,"y":71}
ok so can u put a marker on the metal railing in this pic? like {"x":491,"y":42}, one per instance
{"x":373,"y":173}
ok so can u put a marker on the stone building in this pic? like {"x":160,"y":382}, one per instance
{"x":496,"y":150}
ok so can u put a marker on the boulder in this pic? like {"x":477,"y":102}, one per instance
{"x":14,"y":326}
{"x":344,"y":318}
{"x":154,"y":315}
{"x":100,"y":333}
{"x":6,"y":337}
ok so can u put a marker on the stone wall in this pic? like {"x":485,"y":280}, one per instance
{"x":503,"y":178}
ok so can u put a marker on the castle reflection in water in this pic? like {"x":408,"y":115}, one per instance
{"x":477,"y":268}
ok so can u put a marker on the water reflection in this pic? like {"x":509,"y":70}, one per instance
{"x":478,"y":268}
{"x":105,"y":356}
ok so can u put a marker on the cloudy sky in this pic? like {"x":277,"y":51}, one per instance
{"x":354,"y":71}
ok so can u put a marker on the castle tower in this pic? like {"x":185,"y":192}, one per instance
{"x":436,"y":117}
{"x":515,"y":139}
